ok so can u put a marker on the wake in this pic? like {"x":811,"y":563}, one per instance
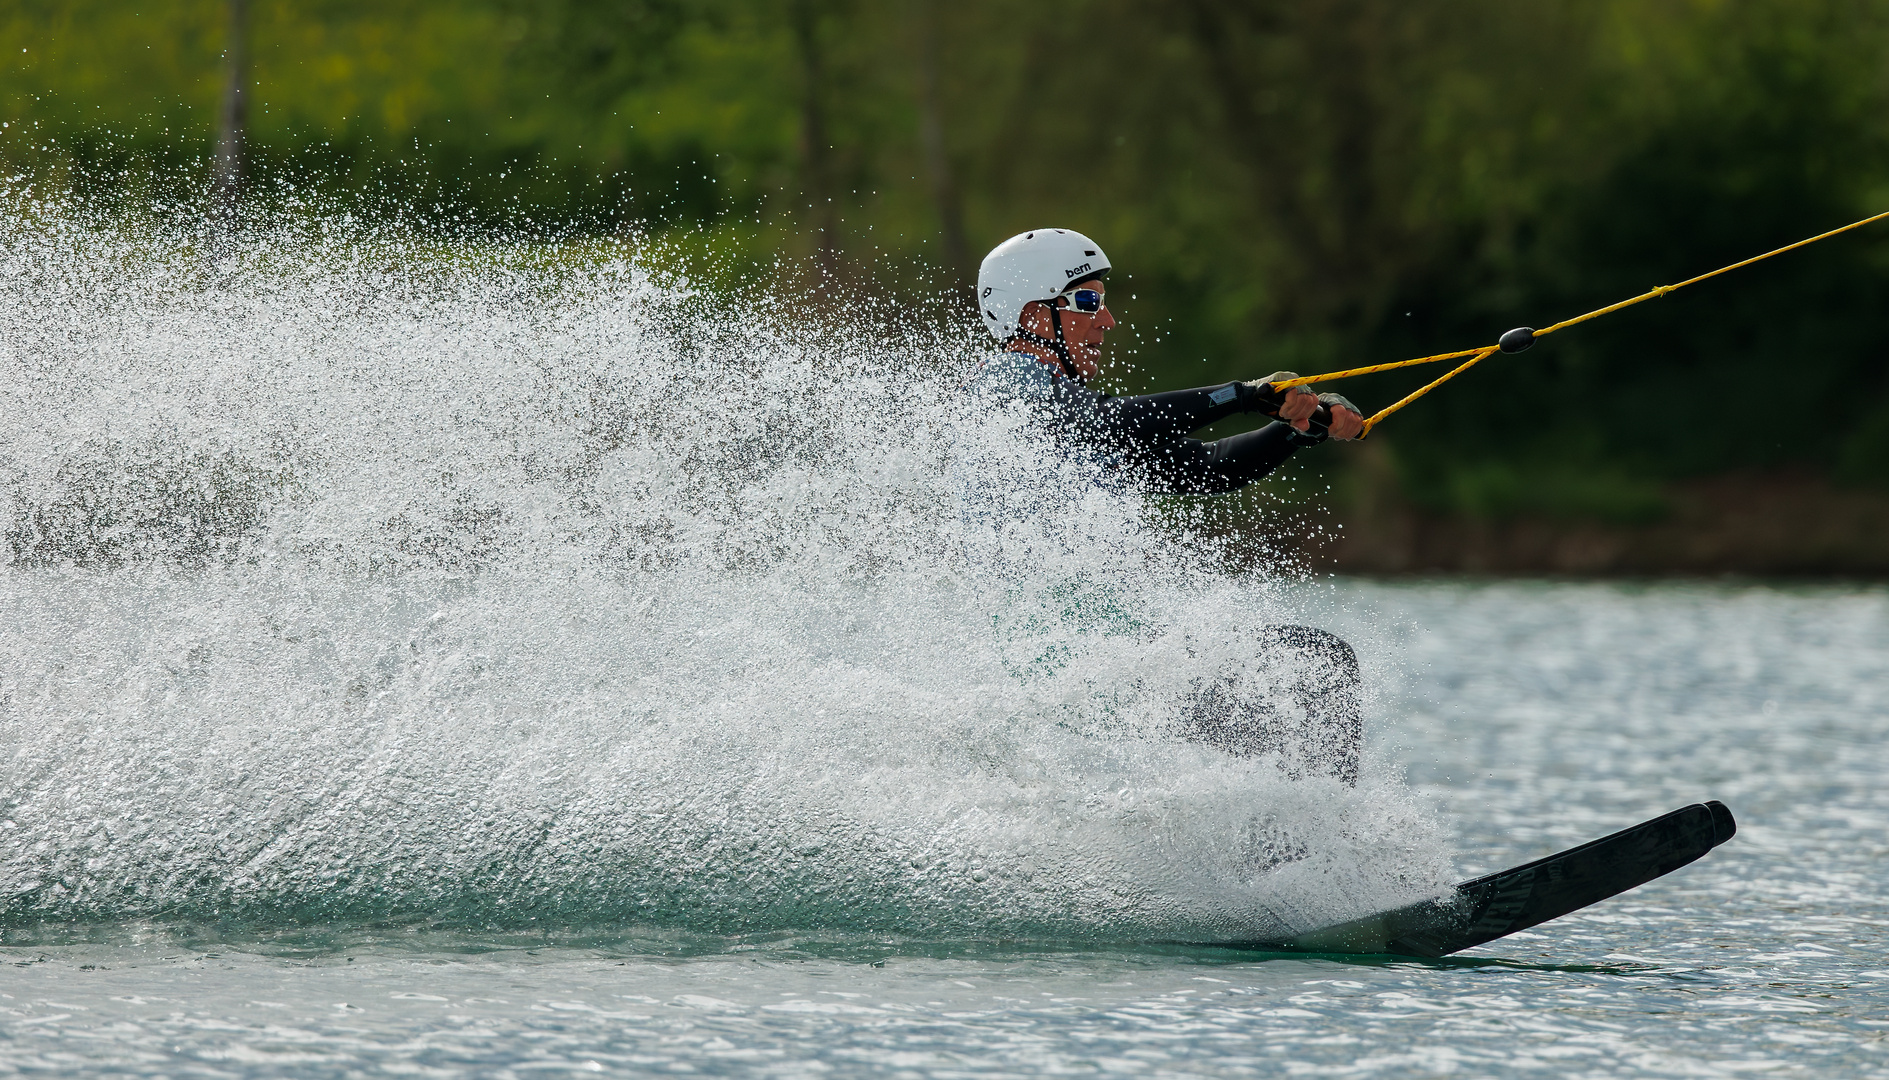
{"x":475,"y":584}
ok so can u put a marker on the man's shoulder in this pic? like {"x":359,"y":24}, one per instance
{"x":1015,"y":373}
{"x":1019,"y":369}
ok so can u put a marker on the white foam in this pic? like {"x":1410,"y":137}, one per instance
{"x":382,"y":577}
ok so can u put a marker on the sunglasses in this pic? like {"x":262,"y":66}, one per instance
{"x":1084,"y":300}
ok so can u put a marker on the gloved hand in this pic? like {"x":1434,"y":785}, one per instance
{"x":1333,"y":416}
{"x":1347,"y":420}
{"x":1313,"y":417}
{"x":1259,"y":396}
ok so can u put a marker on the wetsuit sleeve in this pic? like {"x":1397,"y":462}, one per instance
{"x":1211,"y":468}
{"x":1176,"y":413}
{"x":1152,"y":430}
{"x":1159,"y":424}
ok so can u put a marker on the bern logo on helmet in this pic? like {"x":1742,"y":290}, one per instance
{"x":1077,"y":270}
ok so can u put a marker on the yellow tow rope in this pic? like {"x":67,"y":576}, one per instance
{"x":1524,"y":337}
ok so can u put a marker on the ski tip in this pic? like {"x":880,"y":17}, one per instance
{"x":1723,"y":824}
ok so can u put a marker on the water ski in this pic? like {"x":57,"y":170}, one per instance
{"x":1500,"y":904}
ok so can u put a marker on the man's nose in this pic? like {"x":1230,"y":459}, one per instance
{"x":1107,"y":321}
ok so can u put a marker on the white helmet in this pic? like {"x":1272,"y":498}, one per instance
{"x":1036,"y":265}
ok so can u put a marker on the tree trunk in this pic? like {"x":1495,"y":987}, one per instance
{"x":232,"y":122}
{"x":816,"y":150}
{"x":944,"y":192}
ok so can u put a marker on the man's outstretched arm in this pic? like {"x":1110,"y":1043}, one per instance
{"x":1174,"y":414}
{"x":1191,"y":466}
{"x":1153,"y":419}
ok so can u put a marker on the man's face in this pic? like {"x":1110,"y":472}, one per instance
{"x":1082,"y":330}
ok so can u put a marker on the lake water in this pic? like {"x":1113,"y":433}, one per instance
{"x":1527,"y":716}
{"x":422,"y":655}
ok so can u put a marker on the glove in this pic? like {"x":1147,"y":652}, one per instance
{"x":1319,"y":430}
{"x":1260,"y":397}
{"x":1330,"y":400}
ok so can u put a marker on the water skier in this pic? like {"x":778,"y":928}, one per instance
{"x":1042,"y":295}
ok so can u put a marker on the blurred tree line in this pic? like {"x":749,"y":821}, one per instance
{"x":1300,"y":184}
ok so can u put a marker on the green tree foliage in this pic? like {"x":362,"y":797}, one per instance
{"x":1282,"y":183}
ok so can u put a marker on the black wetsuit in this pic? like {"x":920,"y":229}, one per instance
{"x":1150,"y":437}
{"x":1152,"y":433}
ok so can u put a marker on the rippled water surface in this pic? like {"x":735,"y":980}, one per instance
{"x":436,"y":655}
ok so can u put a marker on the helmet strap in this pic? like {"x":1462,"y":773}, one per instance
{"x":1057,"y":345}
